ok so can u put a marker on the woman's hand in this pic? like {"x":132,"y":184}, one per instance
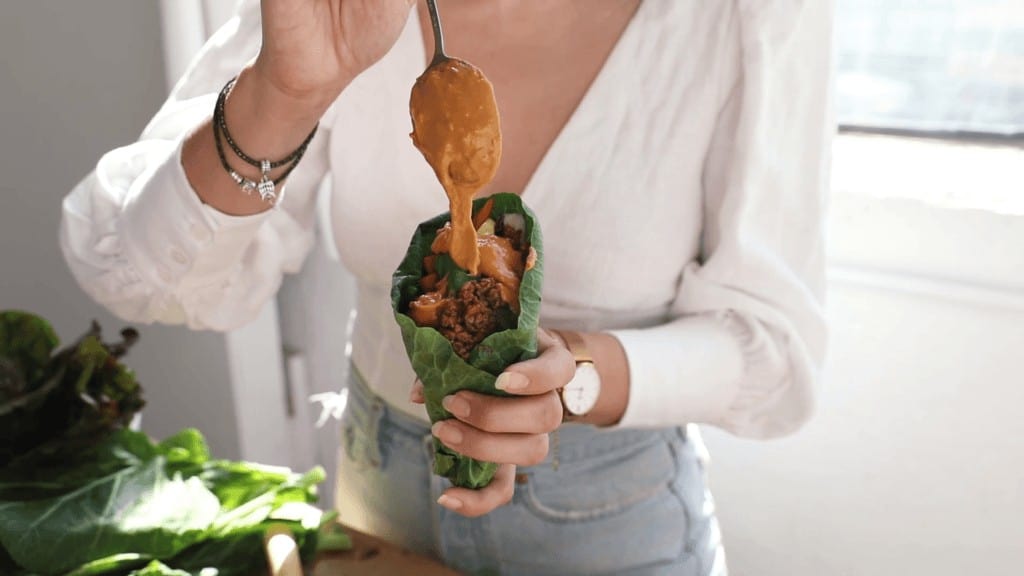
{"x":508,"y":430}
{"x":312,"y":49}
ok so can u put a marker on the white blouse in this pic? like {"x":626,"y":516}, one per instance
{"x":682,"y":208}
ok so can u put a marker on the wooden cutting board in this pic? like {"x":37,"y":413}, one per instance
{"x":370,"y":556}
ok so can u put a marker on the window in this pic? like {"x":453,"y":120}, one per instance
{"x":927,"y":172}
{"x":931,"y":66}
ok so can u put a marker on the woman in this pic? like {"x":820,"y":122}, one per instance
{"x":676,"y":156}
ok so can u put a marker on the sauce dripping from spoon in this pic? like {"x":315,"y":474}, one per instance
{"x":457,"y":129}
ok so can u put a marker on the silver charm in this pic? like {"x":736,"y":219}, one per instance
{"x":266,"y":189}
{"x":266,"y":185}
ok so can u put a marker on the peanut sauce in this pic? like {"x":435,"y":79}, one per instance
{"x":456,"y":128}
{"x":426,"y":310}
{"x":498,"y":260}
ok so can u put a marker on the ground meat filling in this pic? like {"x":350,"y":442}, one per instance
{"x":472,"y":315}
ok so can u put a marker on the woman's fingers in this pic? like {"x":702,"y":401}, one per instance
{"x":416,"y":395}
{"x":509,"y":430}
{"x":521,"y":449}
{"x":538,"y":414}
{"x":472,"y":503}
{"x":551,"y":370}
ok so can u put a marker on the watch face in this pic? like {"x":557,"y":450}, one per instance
{"x":580,"y":394}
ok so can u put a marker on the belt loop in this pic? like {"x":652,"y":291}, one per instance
{"x":428,"y":448}
{"x":377,"y":412}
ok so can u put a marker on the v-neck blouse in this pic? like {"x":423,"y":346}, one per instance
{"x":681,"y":207}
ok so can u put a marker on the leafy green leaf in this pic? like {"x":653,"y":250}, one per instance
{"x":138,"y":509}
{"x":108,"y":564}
{"x":157,"y":568}
{"x":54,"y":406}
{"x":449,"y":270}
{"x":120,"y":450}
{"x":295,"y":489}
{"x":434,"y":360}
{"x":332,"y":537}
{"x":240,"y":553}
{"x":26,"y":344}
{"x":187,"y":446}
{"x":108,"y":500}
{"x":148,"y":501}
{"x":7,"y":565}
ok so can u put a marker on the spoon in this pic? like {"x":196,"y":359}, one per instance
{"x":435,"y":24}
{"x":457,"y":129}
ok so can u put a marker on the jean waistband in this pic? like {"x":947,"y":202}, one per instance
{"x":364,"y":398}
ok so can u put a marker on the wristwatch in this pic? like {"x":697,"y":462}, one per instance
{"x":579,"y":396}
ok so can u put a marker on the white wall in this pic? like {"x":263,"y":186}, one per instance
{"x":315,"y":307}
{"x":77,"y":79}
{"x":914,"y":463}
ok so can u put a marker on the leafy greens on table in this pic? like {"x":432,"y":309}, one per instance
{"x":82,"y":495}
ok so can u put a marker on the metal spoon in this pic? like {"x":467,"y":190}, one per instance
{"x":435,"y":23}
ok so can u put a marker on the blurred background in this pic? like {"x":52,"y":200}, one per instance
{"x":914,"y":463}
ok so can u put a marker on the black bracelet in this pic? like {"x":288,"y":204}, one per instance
{"x":266,"y":186}
{"x":220,"y":121}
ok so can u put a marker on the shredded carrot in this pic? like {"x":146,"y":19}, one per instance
{"x":429,"y":282}
{"x":483,"y":214}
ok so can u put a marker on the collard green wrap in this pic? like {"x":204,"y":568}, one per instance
{"x":434,"y":360}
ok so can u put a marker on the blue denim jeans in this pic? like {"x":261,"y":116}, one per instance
{"x":621,"y":502}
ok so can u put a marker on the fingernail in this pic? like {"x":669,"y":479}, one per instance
{"x":449,"y":502}
{"x":457,"y":406}
{"x":446,"y":433}
{"x":511,"y":381}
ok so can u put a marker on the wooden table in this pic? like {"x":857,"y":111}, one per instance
{"x":370,"y":556}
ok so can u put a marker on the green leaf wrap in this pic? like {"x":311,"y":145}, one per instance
{"x":434,"y":360}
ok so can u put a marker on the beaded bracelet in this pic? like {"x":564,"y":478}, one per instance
{"x":266,"y":186}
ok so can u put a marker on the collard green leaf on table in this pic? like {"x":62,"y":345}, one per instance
{"x":236,"y":483}
{"x":294,"y":489}
{"x":121,"y":449}
{"x":240,"y":553}
{"x":158,"y":568}
{"x":434,"y":360}
{"x":146,"y":501}
{"x":118,"y":563}
{"x":81,"y":495}
{"x":138,"y":509}
{"x":185,"y":447}
{"x":256,"y":500}
{"x":331,"y":537}
{"x":7,"y":564}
